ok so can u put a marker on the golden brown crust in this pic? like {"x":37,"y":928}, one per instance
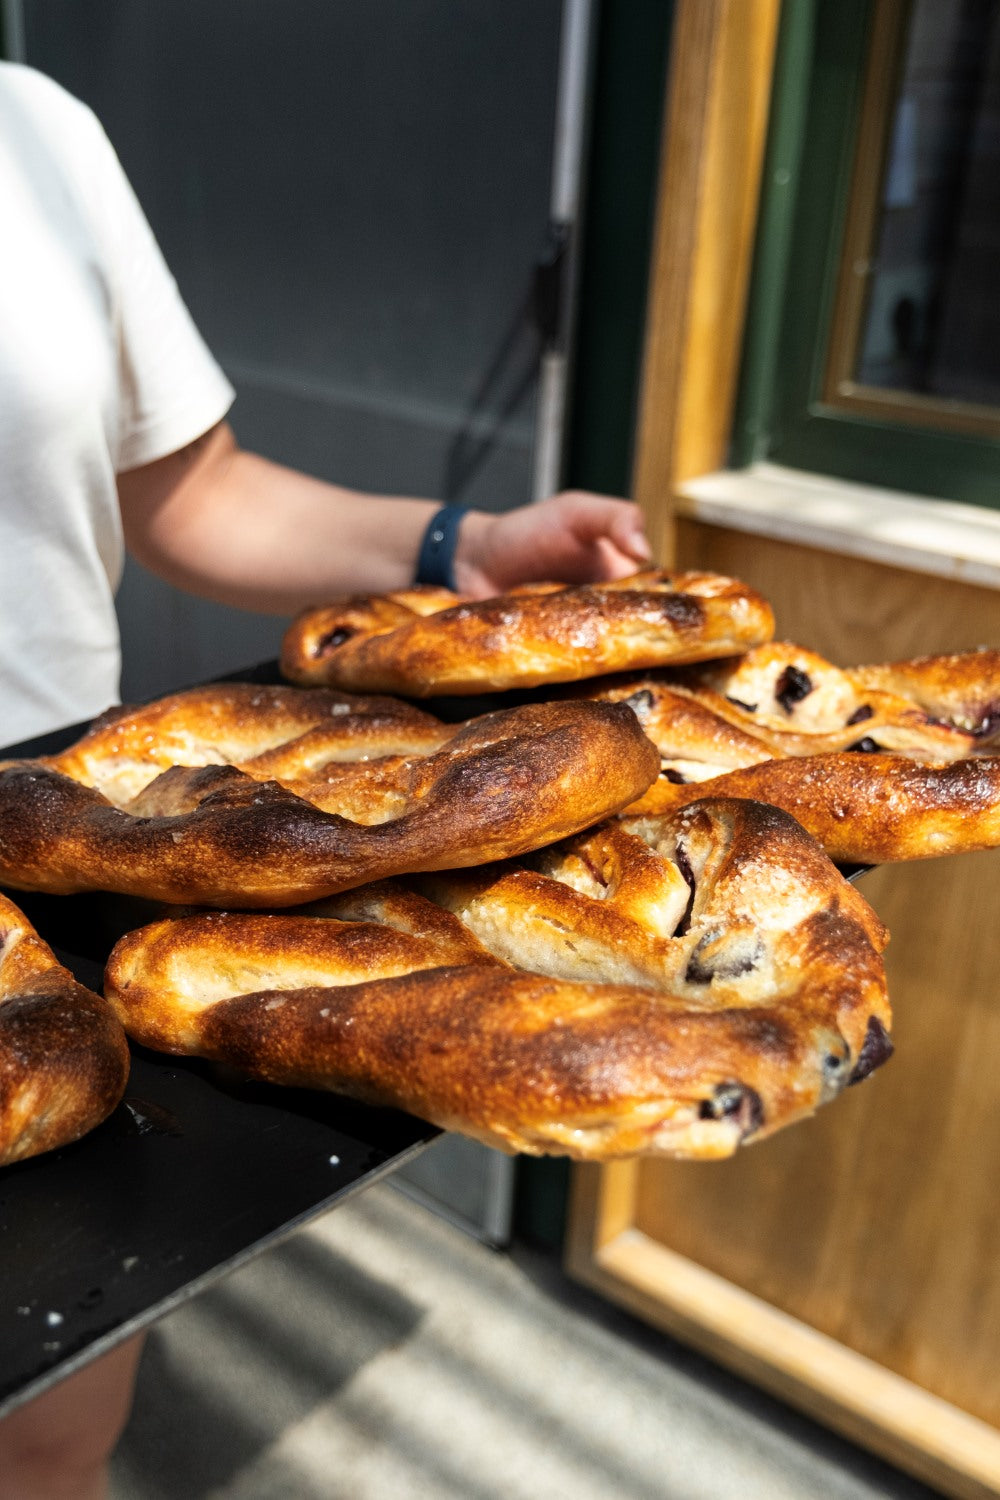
{"x":864,"y":809}
{"x":531,"y":636}
{"x":781,"y":699}
{"x":930,"y":708}
{"x":693,"y":729}
{"x":63,"y":1056}
{"x":961,"y":687}
{"x":781,"y":703}
{"x":747,"y":990}
{"x":272,"y":729}
{"x":292,"y":824}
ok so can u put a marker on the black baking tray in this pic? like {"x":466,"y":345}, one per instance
{"x":197,"y":1171}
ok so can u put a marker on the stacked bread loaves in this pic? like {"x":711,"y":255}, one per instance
{"x":584,"y":922}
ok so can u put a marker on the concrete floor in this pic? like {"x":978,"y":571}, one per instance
{"x":382,"y":1354}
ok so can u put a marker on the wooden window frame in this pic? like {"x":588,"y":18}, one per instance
{"x":787,"y":411}
{"x":841,"y":388}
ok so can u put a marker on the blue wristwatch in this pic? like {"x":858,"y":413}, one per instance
{"x":436,"y":558}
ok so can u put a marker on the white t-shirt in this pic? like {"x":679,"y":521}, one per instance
{"x":101,"y":369}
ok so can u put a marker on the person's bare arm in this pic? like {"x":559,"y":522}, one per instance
{"x":218,"y":521}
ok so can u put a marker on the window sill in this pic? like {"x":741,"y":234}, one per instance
{"x":941,"y":537}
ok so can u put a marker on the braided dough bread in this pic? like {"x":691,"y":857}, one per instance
{"x":777,"y":724}
{"x":263,"y":796}
{"x":63,"y":1056}
{"x":930,"y":708}
{"x":680,"y":990}
{"x":961,"y":688}
{"x":426,"y":642}
{"x":866,"y":809}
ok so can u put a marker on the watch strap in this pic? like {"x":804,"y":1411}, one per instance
{"x":436,"y":558}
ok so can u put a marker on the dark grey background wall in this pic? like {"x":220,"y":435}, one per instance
{"x":352,"y":197}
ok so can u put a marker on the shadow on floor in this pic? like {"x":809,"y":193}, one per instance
{"x":382,"y":1354}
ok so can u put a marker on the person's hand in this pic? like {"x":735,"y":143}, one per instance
{"x":574,"y":537}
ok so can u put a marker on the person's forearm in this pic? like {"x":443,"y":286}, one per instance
{"x":236,"y":528}
{"x":277,"y":540}
{"x":244,"y":531}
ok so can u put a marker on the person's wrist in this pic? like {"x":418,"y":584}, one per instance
{"x":472,"y":554}
{"x":436,"y":553}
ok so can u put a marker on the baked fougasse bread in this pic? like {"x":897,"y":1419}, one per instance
{"x":426,"y":642}
{"x":238,"y":794}
{"x":64,"y":1059}
{"x":928,"y":708}
{"x":884,"y":810}
{"x":699,"y":983}
{"x":880,"y":763}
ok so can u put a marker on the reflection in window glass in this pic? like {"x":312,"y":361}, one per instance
{"x":932,"y":320}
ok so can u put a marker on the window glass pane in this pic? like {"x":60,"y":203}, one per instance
{"x":931,"y":322}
